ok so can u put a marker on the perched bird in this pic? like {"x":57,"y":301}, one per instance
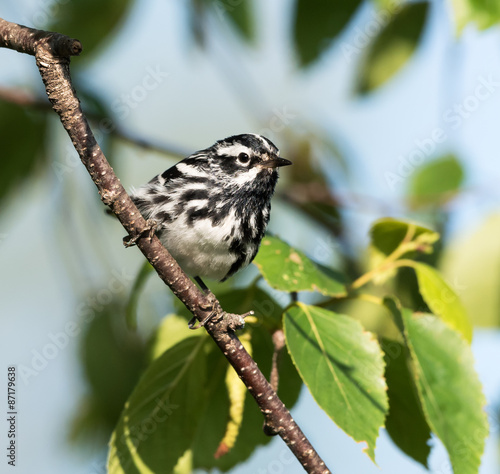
{"x":212,"y":208}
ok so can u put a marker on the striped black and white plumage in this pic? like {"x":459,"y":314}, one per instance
{"x":212,"y":208}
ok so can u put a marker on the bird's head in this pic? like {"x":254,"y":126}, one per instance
{"x":243,"y":160}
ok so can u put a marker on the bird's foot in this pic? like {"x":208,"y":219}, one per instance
{"x":230,"y":320}
{"x":211,"y":305}
{"x":150,"y":229}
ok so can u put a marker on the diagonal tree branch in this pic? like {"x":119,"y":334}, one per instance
{"x":52,"y":52}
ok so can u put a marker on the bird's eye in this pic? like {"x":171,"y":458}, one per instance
{"x":243,"y":158}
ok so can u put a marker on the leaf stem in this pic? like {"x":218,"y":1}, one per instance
{"x":364,"y":279}
{"x":406,"y":245}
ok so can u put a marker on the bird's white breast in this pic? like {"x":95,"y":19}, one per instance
{"x":201,"y":249}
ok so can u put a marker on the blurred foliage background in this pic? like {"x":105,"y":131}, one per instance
{"x":386,"y":108}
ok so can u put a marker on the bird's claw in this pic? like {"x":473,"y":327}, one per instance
{"x":232,"y":321}
{"x":212,"y":305}
{"x":150,"y":228}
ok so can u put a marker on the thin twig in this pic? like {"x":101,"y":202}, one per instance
{"x":279,"y":344}
{"x":389,"y":261}
{"x":52,"y":52}
{"x":28,"y":99}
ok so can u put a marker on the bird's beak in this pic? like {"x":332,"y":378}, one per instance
{"x":275,"y":162}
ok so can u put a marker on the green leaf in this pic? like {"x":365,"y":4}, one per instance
{"x":288,"y":269}
{"x":23,"y":138}
{"x":484,"y":13}
{"x":112,"y":360}
{"x":387,"y":234}
{"x":133,"y":300}
{"x":404,"y":406}
{"x":436,"y":182}
{"x":393,"y":47}
{"x":442,"y":300}
{"x":90,"y":21}
{"x":161,"y":416}
{"x":449,"y":389}
{"x":342,"y":366}
{"x":316,"y":24}
{"x":290,"y":382}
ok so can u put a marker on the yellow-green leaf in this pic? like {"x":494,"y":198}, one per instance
{"x":237,"y":394}
{"x":435,"y":182}
{"x":171,"y":330}
{"x":472,"y":264}
{"x":442,"y":300}
{"x":483,"y":13}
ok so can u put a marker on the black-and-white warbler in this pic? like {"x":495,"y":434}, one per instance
{"x":211,"y":209}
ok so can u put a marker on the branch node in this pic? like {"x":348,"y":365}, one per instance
{"x":269,"y":430}
{"x":234,"y":322}
{"x":108,"y":197}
